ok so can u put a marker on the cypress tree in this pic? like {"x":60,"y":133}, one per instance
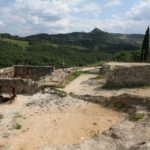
{"x":145,"y":47}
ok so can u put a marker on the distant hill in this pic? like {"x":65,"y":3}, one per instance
{"x":75,"y":49}
{"x":95,"y":40}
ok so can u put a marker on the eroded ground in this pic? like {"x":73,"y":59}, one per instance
{"x":45,"y":119}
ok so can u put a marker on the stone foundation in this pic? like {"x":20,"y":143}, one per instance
{"x":23,"y":78}
{"x":137,"y":75}
{"x":22,"y":86}
{"x":130,"y":74}
{"x":32,"y":72}
{"x":104,"y":69}
{"x":7,"y":72}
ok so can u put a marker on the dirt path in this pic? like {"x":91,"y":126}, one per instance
{"x":78,"y":87}
{"x":84,"y":84}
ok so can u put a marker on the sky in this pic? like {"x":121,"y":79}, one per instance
{"x":26,"y":17}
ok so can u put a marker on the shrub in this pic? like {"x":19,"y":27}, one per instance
{"x":137,"y":116}
{"x":119,"y":106}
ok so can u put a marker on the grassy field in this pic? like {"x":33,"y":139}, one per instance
{"x":71,"y":46}
{"x":20,"y":43}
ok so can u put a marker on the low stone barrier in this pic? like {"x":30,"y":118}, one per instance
{"x":7,"y":72}
{"x":32,"y":72}
{"x":130,"y":75}
{"x":104,"y":69}
{"x":22,"y":86}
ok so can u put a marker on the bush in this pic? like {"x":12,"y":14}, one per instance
{"x":112,"y":86}
{"x":137,"y":116}
{"x":119,"y":106}
{"x":123,"y":56}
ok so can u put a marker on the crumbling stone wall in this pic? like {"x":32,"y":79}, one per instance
{"x":104,"y":69}
{"x":32,"y":72}
{"x":21,"y":85}
{"x":7,"y":72}
{"x":23,"y":78}
{"x":131,"y":75}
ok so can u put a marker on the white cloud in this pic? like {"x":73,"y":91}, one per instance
{"x":91,"y":7}
{"x":140,"y":11}
{"x":26,"y":17}
{"x":30,"y":16}
{"x":113,"y":3}
{"x":135,"y":20}
{"x":1,"y":23}
{"x":124,"y":25}
{"x":83,"y":24}
{"x":50,"y":16}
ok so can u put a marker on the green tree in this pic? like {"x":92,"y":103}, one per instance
{"x":123,"y":56}
{"x":145,"y":47}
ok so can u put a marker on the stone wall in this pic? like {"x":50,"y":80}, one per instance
{"x":129,"y":75}
{"x":22,"y":85}
{"x":32,"y":72}
{"x":7,"y":72}
{"x":104,"y":69}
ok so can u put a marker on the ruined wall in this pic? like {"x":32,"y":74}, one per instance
{"x":104,"y":69}
{"x":22,"y":85}
{"x":130,"y":75}
{"x":23,"y":78}
{"x":7,"y":72}
{"x":32,"y":72}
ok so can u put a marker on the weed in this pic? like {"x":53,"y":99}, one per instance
{"x":17,"y":126}
{"x":69,"y":78}
{"x":99,"y":77}
{"x":95,"y":134}
{"x":59,"y":92}
{"x":17,"y":115}
{"x":89,"y":72}
{"x":137,"y":116}
{"x":1,"y":116}
{"x":30,"y":104}
{"x":119,"y":106}
{"x":112,"y":86}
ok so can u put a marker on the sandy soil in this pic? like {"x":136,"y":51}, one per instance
{"x":78,"y":86}
{"x":86,"y":85}
{"x":89,"y":68}
{"x":49,"y":120}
